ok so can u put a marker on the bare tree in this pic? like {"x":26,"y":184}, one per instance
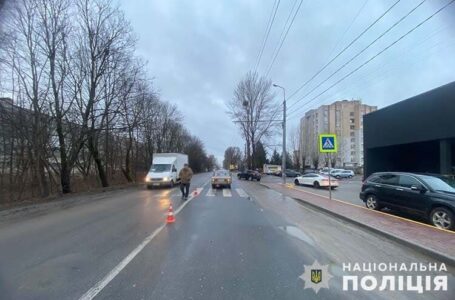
{"x":294,"y":142}
{"x":82,"y":104}
{"x":232,"y":156}
{"x":315,"y":159}
{"x":54,"y":31}
{"x":28,"y":65}
{"x":254,"y":111}
{"x":105,"y":40}
{"x":132,"y":104}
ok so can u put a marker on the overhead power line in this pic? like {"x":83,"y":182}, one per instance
{"x":276,"y":4}
{"x":283,"y":38}
{"x":349,"y":27}
{"x":373,"y":57}
{"x":344,"y":49}
{"x":360,"y":52}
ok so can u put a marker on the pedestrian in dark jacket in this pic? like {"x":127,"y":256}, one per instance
{"x":185,"y":179}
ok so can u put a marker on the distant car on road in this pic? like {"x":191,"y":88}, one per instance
{"x":316,"y":180}
{"x":221,"y":178}
{"x":343,"y":174}
{"x":249,"y":175}
{"x":417,"y":194}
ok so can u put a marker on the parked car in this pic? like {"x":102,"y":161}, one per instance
{"x":290,"y":173}
{"x":249,"y":175}
{"x":333,"y":172}
{"x":316,"y":180}
{"x":423,"y":195}
{"x":343,"y":174}
{"x":221,"y":178}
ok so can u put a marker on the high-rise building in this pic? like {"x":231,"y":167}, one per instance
{"x":343,"y":118}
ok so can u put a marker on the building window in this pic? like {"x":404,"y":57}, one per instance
{"x":352,"y":121}
{"x":352,"y":127}
{"x":352,"y":140}
{"x":352,"y":153}
{"x":351,"y":113}
{"x":352,"y":133}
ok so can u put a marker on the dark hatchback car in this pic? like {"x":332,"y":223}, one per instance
{"x":423,"y":195}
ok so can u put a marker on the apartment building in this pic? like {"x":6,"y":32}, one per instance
{"x":345,"y":119}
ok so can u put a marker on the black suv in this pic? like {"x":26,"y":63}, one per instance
{"x":424,"y":195}
{"x":249,"y":175}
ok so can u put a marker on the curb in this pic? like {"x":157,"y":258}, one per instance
{"x":422,"y":249}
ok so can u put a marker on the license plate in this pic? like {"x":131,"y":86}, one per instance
{"x":156,"y":184}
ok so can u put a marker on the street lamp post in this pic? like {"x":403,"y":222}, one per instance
{"x":283,"y":156}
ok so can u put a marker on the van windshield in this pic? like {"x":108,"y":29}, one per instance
{"x":161,"y":168}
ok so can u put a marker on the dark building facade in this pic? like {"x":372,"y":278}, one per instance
{"x":414,"y":135}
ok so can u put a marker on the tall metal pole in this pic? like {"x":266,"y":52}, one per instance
{"x":283,"y":155}
{"x":283,"y":162}
{"x":330,"y":182}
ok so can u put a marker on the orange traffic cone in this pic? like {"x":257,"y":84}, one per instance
{"x":170,"y":215}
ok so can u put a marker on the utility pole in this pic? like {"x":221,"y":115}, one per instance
{"x":283,"y":155}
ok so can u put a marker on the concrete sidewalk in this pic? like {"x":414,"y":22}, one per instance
{"x":426,"y":238}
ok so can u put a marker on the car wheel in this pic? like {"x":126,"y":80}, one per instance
{"x":259,"y":179}
{"x":316,"y":184}
{"x":149,"y":187}
{"x":372,"y":202}
{"x":229,"y":186}
{"x":296,"y":182}
{"x":442,"y":218}
{"x":171,"y":184}
{"x":337,"y":177}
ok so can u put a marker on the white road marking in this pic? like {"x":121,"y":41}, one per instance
{"x":210,"y":193}
{"x":91,"y":293}
{"x":198,"y":191}
{"x":227,"y":193}
{"x":241,"y":193}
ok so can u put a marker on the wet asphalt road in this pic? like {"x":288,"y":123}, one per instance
{"x":249,"y":243}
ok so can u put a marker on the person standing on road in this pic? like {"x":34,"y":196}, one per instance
{"x":185,"y":178}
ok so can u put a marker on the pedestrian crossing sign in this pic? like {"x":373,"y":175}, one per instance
{"x":328,"y":143}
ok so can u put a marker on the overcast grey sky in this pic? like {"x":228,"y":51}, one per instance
{"x":198,"y":50}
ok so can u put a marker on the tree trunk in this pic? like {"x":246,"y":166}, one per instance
{"x":127,"y":170}
{"x":98,"y":162}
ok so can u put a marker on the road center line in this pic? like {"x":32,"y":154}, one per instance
{"x":91,"y":293}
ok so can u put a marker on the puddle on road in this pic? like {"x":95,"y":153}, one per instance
{"x":297,"y":233}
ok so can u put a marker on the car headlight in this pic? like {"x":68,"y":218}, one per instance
{"x":166,"y":179}
{"x":147,"y":178}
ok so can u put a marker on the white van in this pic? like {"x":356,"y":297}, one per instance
{"x":165,"y":169}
